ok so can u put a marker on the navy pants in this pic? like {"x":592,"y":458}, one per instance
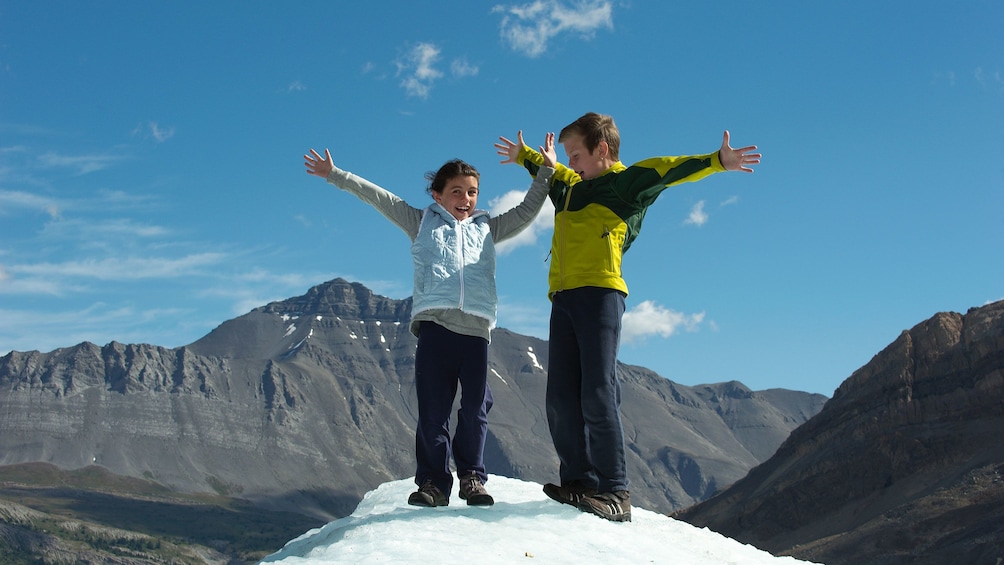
{"x":443,"y":360}
{"x":583,"y":392}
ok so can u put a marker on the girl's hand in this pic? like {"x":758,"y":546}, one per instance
{"x":508,"y":149}
{"x":317,"y":165}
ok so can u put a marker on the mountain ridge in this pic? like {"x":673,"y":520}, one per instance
{"x":308,"y":403}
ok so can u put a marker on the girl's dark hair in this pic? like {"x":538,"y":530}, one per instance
{"x":455,"y":168}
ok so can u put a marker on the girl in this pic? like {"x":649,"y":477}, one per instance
{"x":453,"y":311}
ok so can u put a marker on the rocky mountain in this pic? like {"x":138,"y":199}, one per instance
{"x":905,"y":464}
{"x":308,"y":403}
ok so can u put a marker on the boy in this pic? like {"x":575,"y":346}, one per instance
{"x":599,"y":207}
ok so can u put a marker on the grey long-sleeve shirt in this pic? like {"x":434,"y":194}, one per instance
{"x":408,"y":218}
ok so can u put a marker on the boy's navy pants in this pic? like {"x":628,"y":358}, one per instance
{"x":583,"y":392}
{"x":443,"y":360}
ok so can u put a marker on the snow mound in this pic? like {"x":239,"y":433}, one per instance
{"x":523,"y":526}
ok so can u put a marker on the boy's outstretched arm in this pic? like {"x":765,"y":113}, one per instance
{"x":737,"y":159}
{"x":317,"y":165}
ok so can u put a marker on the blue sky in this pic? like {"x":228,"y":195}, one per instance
{"x":152,"y":182}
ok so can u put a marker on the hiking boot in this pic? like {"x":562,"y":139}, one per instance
{"x":614,"y":506}
{"x":571,"y":494}
{"x":473,"y":491}
{"x":428,"y":495}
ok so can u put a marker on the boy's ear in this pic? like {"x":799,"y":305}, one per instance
{"x":602,"y":150}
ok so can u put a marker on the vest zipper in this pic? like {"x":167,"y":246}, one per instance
{"x":460,"y":254}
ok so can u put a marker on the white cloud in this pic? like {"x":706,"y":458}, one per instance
{"x":161,"y":134}
{"x":118,"y":232}
{"x":83,"y":164}
{"x":129,"y":268}
{"x":296,"y":86}
{"x":944,"y":76}
{"x":697,"y":216}
{"x":12,"y":199}
{"x":528,"y":28}
{"x":418,"y":70}
{"x":460,"y":68}
{"x":730,"y":201}
{"x":542,"y":224}
{"x":985,"y":79}
{"x":648,"y":318}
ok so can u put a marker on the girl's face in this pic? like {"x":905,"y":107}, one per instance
{"x":459,"y":196}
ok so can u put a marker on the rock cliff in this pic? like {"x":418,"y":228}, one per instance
{"x":905,"y":464}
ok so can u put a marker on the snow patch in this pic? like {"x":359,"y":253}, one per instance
{"x":496,"y":373}
{"x":523,"y":526}
{"x":533,"y":358}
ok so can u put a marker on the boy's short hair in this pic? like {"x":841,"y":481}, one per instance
{"x":595,"y":128}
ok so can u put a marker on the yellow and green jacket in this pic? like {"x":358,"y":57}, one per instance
{"x":596,"y":220}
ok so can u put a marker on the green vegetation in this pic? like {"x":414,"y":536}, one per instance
{"x":91,"y":512}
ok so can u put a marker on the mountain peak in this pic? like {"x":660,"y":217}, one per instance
{"x":345,"y":299}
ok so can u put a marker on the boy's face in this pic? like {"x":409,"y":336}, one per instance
{"x":588,"y":165}
{"x":459,"y":197}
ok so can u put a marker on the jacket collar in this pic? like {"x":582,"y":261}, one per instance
{"x":447,"y":217}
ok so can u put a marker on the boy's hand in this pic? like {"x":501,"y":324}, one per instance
{"x":317,"y":165}
{"x":547,"y":150}
{"x":509,"y":149}
{"x":737,"y":159}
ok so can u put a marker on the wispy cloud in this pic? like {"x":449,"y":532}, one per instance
{"x":528,"y":28}
{"x":461,"y":68}
{"x":986,"y":79}
{"x":153,"y":130}
{"x":648,"y":318}
{"x":122,"y":268}
{"x":697,"y":216}
{"x":12,"y":200}
{"x":98,"y":323}
{"x":943,"y":77}
{"x":417,"y":69}
{"x":83,"y":164}
{"x":116,"y":231}
{"x":542,"y":224}
{"x":296,"y":86}
{"x":161,"y":134}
